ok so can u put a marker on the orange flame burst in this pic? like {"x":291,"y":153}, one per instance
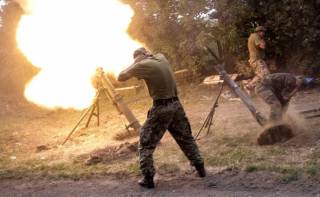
{"x":68,"y":40}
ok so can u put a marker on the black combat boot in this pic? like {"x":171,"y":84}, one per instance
{"x":147,"y":182}
{"x":200,"y":169}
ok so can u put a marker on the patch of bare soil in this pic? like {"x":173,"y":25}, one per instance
{"x":306,"y":131}
{"x":112,"y":153}
{"x":277,"y":133}
{"x":234,"y":132}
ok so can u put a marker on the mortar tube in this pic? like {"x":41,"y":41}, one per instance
{"x":119,"y":103}
{"x":243,"y":96}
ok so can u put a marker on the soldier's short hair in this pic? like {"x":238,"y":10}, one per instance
{"x":140,"y":51}
{"x":260,"y":28}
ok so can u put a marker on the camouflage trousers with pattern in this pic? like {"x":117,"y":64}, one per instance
{"x":171,"y":117}
{"x":260,"y":69}
{"x":278,"y":105}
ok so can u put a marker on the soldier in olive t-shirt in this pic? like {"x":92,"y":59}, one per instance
{"x":157,"y":73}
{"x":256,"y":47}
{"x":166,"y":113}
{"x":255,"y":51}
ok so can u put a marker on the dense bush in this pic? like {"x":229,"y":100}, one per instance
{"x":180,"y":28}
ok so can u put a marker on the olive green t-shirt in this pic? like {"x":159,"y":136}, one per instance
{"x":255,"y":52}
{"x":159,"y":77}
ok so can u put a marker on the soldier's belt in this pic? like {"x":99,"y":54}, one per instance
{"x":165,"y":101}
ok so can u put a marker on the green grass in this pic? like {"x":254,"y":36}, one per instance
{"x":229,"y":156}
{"x":290,"y":177}
{"x":312,"y":170}
{"x":251,"y":168}
{"x":134,"y":168}
{"x":276,"y":151}
{"x":312,"y":167}
{"x":288,"y":173}
{"x":283,"y":169}
{"x":168,"y":168}
{"x":34,"y":170}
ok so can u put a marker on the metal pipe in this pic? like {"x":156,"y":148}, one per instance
{"x":242,"y":95}
{"x":78,"y":123}
{"x":118,"y":101}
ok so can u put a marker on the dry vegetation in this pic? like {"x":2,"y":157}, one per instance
{"x":230,"y":146}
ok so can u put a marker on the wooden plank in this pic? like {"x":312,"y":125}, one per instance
{"x":217,"y":79}
{"x":182,"y":76}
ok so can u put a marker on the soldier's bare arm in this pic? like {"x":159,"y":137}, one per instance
{"x":260,"y":42}
{"x":125,"y":74}
{"x":288,"y":95}
{"x":262,"y":45}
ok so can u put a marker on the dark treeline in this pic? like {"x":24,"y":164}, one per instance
{"x":180,"y":29}
{"x":15,"y":70}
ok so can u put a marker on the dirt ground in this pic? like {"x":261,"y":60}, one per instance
{"x":179,"y":186}
{"x":34,"y":163}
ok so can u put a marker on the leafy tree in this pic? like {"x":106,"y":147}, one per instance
{"x":180,"y":29}
{"x":293,"y":29}
{"x":172,"y":28}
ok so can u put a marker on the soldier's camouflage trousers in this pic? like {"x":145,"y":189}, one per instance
{"x":278,"y":106}
{"x":171,"y":117}
{"x":260,"y":69}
